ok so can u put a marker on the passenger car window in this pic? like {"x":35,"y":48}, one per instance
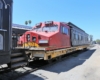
{"x":77,"y":37}
{"x":74,"y":36}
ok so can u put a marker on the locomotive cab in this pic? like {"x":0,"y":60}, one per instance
{"x":39,"y":35}
{"x":47,"y":35}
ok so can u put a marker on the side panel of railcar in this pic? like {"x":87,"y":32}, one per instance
{"x":78,"y":36}
{"x":5,"y":31}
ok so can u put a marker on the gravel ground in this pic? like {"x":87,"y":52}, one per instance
{"x":80,"y":67}
{"x":12,"y":75}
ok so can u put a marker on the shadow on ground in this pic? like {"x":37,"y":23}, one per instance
{"x":71,"y":61}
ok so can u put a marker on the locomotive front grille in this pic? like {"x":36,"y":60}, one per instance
{"x":30,"y":44}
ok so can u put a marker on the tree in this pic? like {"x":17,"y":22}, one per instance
{"x":98,"y":41}
{"x":30,"y":21}
{"x":26,"y":22}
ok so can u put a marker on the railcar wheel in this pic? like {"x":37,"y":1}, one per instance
{"x":49,"y":61}
{"x":85,"y":49}
{"x":36,"y":58}
{"x":58,"y":58}
{"x":9,"y":65}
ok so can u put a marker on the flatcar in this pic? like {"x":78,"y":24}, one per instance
{"x":53,"y":36}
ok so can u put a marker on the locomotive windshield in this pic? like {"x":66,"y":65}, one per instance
{"x":37,"y":29}
{"x":47,"y":28}
{"x":50,"y":28}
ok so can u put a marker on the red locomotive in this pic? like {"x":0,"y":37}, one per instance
{"x":52,"y":35}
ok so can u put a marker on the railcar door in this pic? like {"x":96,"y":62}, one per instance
{"x":14,"y":40}
{"x":65,"y":36}
{"x":1,"y":30}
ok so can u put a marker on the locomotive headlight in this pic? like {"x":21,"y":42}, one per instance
{"x":33,"y":39}
{"x":38,"y":24}
{"x":14,"y":37}
{"x":49,"y":22}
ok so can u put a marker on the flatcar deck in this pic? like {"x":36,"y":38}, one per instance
{"x":50,"y":54}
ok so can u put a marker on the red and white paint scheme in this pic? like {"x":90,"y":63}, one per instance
{"x":49,"y":35}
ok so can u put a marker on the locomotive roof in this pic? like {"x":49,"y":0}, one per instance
{"x":71,"y":25}
{"x":24,"y":27}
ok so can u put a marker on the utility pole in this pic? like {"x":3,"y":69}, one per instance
{"x":91,"y":39}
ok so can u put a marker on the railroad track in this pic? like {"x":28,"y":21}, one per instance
{"x":10,"y":74}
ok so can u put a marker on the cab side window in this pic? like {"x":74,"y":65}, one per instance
{"x":64,"y":30}
{"x":28,"y":37}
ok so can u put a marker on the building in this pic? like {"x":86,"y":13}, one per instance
{"x":20,"y":29}
{"x":17,"y":31}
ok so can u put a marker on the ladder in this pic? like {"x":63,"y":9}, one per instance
{"x":18,"y":59}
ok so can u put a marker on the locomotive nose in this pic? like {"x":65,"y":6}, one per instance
{"x":29,"y":40}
